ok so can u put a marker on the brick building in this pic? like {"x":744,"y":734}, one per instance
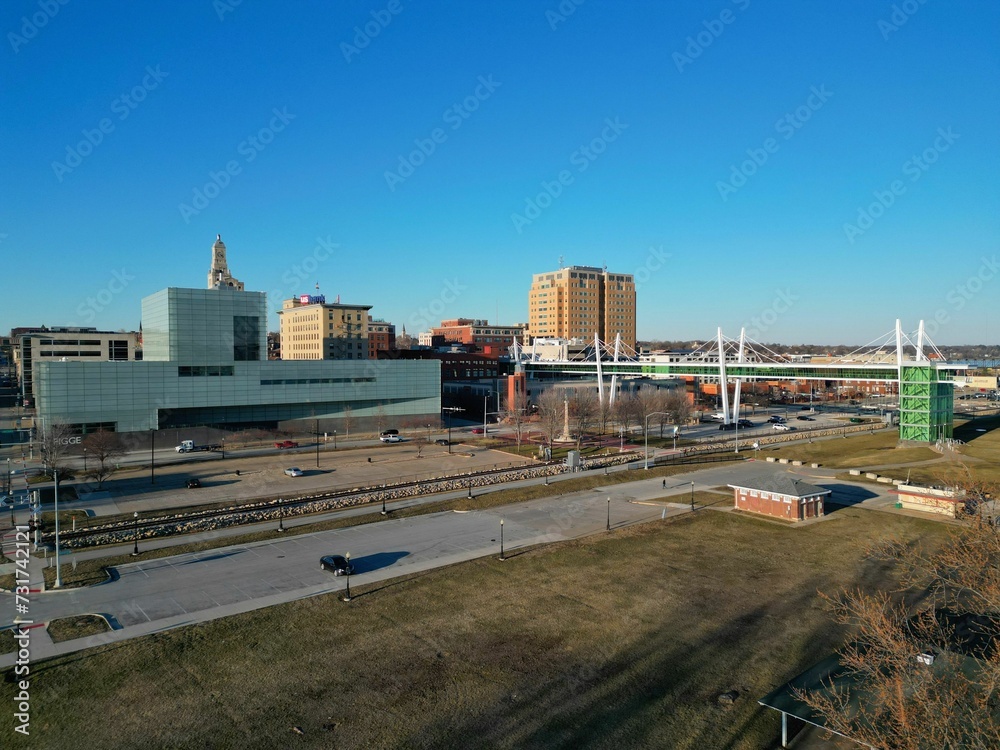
{"x":780,"y":496}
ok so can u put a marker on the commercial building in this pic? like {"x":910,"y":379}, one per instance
{"x":312,"y":328}
{"x":580,"y":301}
{"x":34,"y":345}
{"x":381,"y":337}
{"x":207,"y":366}
{"x":479,"y":336}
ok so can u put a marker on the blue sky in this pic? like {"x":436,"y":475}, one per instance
{"x":811,"y":171}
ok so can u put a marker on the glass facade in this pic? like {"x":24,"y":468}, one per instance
{"x":139,"y":396}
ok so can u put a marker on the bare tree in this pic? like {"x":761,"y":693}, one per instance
{"x":649,"y":401}
{"x":348,"y":419}
{"x":380,"y":418}
{"x":550,"y":410}
{"x":907,"y":703}
{"x":583,"y":409}
{"x":54,"y":444}
{"x":605,"y":413}
{"x":515,"y":413}
{"x":626,"y":410}
{"x":103,"y":447}
{"x":676,"y":405}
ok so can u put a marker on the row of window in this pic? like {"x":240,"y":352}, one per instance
{"x":316,"y":381}
{"x":198,"y":371}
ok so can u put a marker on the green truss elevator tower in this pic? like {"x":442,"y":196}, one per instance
{"x":925,"y":405}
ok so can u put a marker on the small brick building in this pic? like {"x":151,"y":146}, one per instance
{"x":781,"y":496}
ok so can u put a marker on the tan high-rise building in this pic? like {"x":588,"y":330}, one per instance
{"x":311,"y":328}
{"x":579,"y":301}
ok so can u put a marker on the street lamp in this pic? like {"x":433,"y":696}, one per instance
{"x":692,"y":495}
{"x":281,"y":525}
{"x":347,"y":596}
{"x":502,"y":558}
{"x":608,"y":527}
{"x":84,"y":460}
{"x":135,"y":546}
{"x":317,"y":443}
{"x":485,"y":407}
{"x":646,"y":430}
{"x":335,"y":440}
{"x":55,"y":476}
{"x":383,"y":499}
{"x":152,"y":460}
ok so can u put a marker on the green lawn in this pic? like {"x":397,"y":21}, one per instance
{"x":71,"y":628}
{"x":622,"y":640}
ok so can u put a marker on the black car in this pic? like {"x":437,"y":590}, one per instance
{"x":442,"y":441}
{"x":806,"y":419}
{"x":193,"y":484}
{"x":730,"y":426}
{"x":337,"y":564}
{"x":745,"y":423}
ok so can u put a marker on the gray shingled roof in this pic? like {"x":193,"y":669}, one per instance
{"x":781,"y":483}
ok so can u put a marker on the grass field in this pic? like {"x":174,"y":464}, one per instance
{"x":71,"y":628}
{"x":623,"y":640}
{"x":855,"y":451}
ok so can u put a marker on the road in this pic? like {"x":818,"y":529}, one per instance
{"x":155,"y":595}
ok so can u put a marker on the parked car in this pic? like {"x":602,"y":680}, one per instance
{"x":281,"y":444}
{"x":337,"y":564}
{"x":442,"y":441}
{"x":391,"y":439}
{"x":782,"y":427}
{"x":295,"y":471}
{"x":193,"y":484}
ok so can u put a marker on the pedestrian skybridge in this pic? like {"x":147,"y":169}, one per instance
{"x":924,"y":380}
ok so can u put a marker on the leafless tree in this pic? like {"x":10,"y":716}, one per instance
{"x":649,"y":401}
{"x":676,"y":405}
{"x":605,"y":413}
{"x":550,"y":411}
{"x":515,"y":413}
{"x":103,"y":447}
{"x":379,"y":418}
{"x":348,"y":419}
{"x":626,"y":410}
{"x":907,"y":704}
{"x":583,"y":409}
{"x":54,"y":443}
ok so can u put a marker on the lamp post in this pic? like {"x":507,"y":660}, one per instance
{"x":55,"y":476}
{"x":646,"y":432}
{"x":152,"y":460}
{"x":335,"y":440}
{"x":502,"y":558}
{"x":485,"y":407}
{"x":317,"y":443}
{"x":281,"y":524}
{"x":135,"y":546}
{"x":84,"y":460}
{"x":608,"y":527}
{"x":692,"y":495}
{"x":383,"y":499}
{"x":347,"y":596}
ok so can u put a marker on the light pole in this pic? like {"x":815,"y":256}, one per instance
{"x":152,"y":460}
{"x":383,"y":500}
{"x":84,"y":460}
{"x":347,"y":596}
{"x":317,"y":443}
{"x":502,"y":558}
{"x":281,"y":524}
{"x":608,"y":527}
{"x":646,"y":433}
{"x":335,"y":440}
{"x":135,"y":546}
{"x":692,"y":495}
{"x":485,"y":407}
{"x":55,"y":476}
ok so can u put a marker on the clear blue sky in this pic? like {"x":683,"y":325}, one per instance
{"x":833,"y":100}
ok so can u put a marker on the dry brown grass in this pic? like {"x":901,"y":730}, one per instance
{"x":619,"y":640}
